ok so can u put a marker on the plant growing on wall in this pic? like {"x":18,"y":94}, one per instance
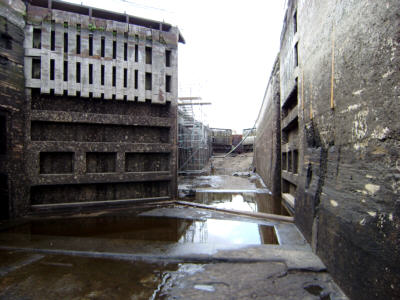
{"x":91,"y":27}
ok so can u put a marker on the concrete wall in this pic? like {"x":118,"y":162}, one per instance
{"x":347,"y":188}
{"x":82,"y":54}
{"x":267,"y":143}
{"x":69,"y":140}
{"x":102,"y":120}
{"x":340,"y":137}
{"x":12,"y":108}
{"x":105,"y":150}
{"x":289,"y":70}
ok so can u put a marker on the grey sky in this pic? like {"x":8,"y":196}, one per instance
{"x":229,"y":52}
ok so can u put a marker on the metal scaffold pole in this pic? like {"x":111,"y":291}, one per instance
{"x":194,"y":135}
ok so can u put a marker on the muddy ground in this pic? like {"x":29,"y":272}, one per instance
{"x":221,"y":165}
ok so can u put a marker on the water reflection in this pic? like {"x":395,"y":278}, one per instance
{"x":72,"y":277}
{"x":167,"y":227}
{"x":237,"y":202}
{"x":255,"y":202}
{"x":228,"y":232}
{"x":144,"y":229}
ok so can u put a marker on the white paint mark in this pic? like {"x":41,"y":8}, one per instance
{"x":357,"y":93}
{"x":387,"y":74}
{"x":203,"y":287}
{"x":351,"y":108}
{"x":369,"y":176}
{"x":384,"y":133}
{"x":362,"y":222}
{"x":363,"y":200}
{"x":390,"y":217}
{"x":372,"y":188}
{"x":334,"y":203}
{"x":380,"y":133}
{"x":372,"y":213}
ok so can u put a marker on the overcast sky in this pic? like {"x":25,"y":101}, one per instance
{"x":229,"y":52}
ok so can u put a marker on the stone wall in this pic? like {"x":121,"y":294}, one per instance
{"x":347,"y":190}
{"x":267,"y":143}
{"x":12,"y":109}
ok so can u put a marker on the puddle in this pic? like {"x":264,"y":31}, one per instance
{"x":143,"y":229}
{"x":314,"y":289}
{"x":317,"y":290}
{"x":203,"y":287}
{"x":225,"y":189}
{"x":159,"y":233}
{"x":71,"y":277}
{"x":172,"y":231}
{"x":228,"y":201}
{"x":229,"y":232}
{"x":245,"y":201}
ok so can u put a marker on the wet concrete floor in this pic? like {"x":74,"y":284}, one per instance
{"x":36,"y":276}
{"x":166,"y":251}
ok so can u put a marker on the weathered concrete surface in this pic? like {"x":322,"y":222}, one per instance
{"x":347,"y":186}
{"x":48,"y":276}
{"x":128,"y":59}
{"x":12,"y":109}
{"x":269,"y":280}
{"x":114,"y":152}
{"x":70,"y":139}
{"x":267,"y":143}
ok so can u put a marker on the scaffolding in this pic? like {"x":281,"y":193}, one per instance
{"x":194,"y":138}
